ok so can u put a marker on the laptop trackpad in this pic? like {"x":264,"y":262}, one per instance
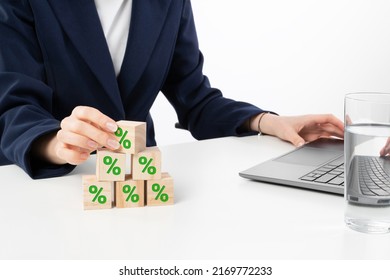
{"x":309,"y":156}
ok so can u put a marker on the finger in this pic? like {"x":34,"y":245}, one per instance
{"x":76,"y":140}
{"x":332,"y":130}
{"x":386,"y":149}
{"x":90,"y":131}
{"x":322,"y":129}
{"x":294,"y":138}
{"x":383,"y":152}
{"x":325,"y":119}
{"x":95,"y":117}
{"x":348,"y":120}
{"x":72,"y":155}
{"x":313,"y":137}
{"x":331,"y":119}
{"x":327,"y":130}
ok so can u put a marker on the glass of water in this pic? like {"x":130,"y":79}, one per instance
{"x":367,"y":162}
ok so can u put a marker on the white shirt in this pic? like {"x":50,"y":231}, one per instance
{"x":115,"y":18}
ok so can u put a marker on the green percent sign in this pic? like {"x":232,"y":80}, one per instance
{"x":116,"y":170}
{"x":159,"y":190}
{"x":126,"y":143}
{"x":130,"y":191}
{"x":100,"y":198}
{"x":151,"y":169}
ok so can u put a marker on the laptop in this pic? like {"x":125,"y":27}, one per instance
{"x":318,"y":165}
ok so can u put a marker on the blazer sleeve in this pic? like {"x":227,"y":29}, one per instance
{"x":200,"y":108}
{"x":25,"y":98}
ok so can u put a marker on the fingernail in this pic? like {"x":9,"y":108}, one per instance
{"x":300,"y":144}
{"x":92,"y":144}
{"x":111,"y":126}
{"x":112,"y":143}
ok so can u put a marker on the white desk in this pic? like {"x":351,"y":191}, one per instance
{"x":217,"y":214}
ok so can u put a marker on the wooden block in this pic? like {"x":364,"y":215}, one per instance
{"x":110,"y":166}
{"x":146,"y":165}
{"x":130,"y":193}
{"x":132,"y":136}
{"x":160,"y":191}
{"x":97,"y":195}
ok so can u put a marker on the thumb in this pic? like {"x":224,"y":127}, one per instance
{"x":297,"y":140}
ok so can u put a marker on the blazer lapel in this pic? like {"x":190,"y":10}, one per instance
{"x":147,"y":20}
{"x":80,"y":21}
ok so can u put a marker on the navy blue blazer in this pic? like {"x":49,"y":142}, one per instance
{"x":54,"y":57}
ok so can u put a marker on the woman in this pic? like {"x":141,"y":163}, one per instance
{"x":69,"y":68}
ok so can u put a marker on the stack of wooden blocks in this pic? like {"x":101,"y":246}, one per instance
{"x":145,"y":185}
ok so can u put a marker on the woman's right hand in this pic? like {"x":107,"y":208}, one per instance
{"x":81,"y":133}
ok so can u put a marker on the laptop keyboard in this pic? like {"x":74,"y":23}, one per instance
{"x":374,"y":181}
{"x":331,"y":173}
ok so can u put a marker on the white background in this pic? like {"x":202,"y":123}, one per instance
{"x":292,"y":57}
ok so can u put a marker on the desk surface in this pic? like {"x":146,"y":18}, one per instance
{"x":217,"y":214}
